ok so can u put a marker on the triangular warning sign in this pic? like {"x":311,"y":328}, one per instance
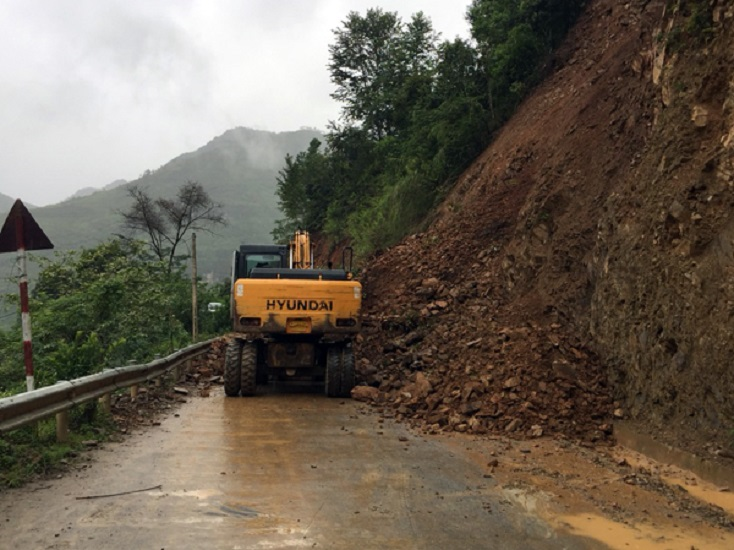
{"x":20,"y":220}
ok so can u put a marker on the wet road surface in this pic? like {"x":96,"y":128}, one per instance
{"x":281,"y":470}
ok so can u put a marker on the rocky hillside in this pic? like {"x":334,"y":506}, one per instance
{"x":580,"y":270}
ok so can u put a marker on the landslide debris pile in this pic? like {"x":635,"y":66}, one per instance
{"x":440,"y":350}
{"x":481,"y":323}
{"x":578,"y":271}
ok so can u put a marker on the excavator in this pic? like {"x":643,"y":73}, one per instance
{"x":290,"y":320}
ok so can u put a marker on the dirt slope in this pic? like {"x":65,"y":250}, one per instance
{"x":578,"y":271}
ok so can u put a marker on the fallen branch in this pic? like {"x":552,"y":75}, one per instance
{"x":120,"y":494}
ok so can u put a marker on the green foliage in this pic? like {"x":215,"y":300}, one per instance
{"x":33,"y":450}
{"x":415,"y":113}
{"x":97,"y":308}
{"x":693,"y":24}
{"x":303,"y":191}
{"x":513,"y":40}
{"x":12,"y":373}
{"x":217,"y":322}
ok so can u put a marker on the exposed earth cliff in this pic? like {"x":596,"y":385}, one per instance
{"x":581,"y":269}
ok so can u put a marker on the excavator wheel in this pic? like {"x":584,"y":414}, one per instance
{"x":339,"y":371}
{"x":348,"y":373}
{"x":232,"y":368}
{"x":248,"y":378}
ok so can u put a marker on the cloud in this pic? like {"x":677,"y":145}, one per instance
{"x":96,"y":90}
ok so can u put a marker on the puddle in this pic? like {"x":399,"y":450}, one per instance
{"x":715,"y":473}
{"x":239,"y":511}
{"x":202,"y":494}
{"x":619,"y":536}
{"x":706,"y":493}
{"x":531,"y":502}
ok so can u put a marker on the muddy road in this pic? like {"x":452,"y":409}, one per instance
{"x":297,"y":470}
{"x":282,"y":470}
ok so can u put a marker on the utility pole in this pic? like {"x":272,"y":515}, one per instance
{"x":194,"y":297}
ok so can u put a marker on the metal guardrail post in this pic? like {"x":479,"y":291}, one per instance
{"x":105,"y":402}
{"x":62,"y":426}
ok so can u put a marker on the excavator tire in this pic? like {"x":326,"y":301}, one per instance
{"x":333,"y":379}
{"x":348,"y":373}
{"x":248,"y":379}
{"x":232,"y":368}
{"x":339,"y":371}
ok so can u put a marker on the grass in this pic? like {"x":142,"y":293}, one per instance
{"x":32,"y":452}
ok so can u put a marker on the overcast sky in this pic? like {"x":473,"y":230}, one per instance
{"x":96,"y":90}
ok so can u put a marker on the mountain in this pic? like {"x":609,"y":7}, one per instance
{"x":580,"y":271}
{"x":238,"y":169}
{"x":5,"y":203}
{"x":85,"y":191}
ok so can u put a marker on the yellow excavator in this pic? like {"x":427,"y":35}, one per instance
{"x":290,"y":320}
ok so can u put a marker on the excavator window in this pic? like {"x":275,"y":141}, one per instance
{"x":261,"y":260}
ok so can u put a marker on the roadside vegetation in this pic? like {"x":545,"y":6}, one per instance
{"x":33,"y":451}
{"x":416,"y":110}
{"x":123,"y":300}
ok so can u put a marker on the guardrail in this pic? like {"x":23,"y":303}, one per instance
{"x":26,"y":408}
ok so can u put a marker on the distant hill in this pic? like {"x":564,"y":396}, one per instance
{"x":5,"y":204}
{"x":85,"y":191}
{"x":238,"y":169}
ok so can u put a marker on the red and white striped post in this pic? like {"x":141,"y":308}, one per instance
{"x":25,"y":315}
{"x":20,"y":233}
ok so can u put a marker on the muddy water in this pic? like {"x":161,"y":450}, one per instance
{"x":721,"y":475}
{"x":275,"y":471}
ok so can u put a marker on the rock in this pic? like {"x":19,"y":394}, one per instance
{"x":700,"y":116}
{"x":431,"y":282}
{"x":513,"y":425}
{"x":422,"y":386}
{"x":389,"y":347}
{"x":365,"y":393}
{"x":512,"y":382}
{"x":468,"y":409}
{"x":414,"y":338}
{"x":676,"y":211}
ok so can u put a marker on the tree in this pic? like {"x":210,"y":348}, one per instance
{"x":380,"y":66}
{"x":304,"y":191}
{"x":514,"y":40}
{"x":415,"y":113}
{"x":97,"y":308}
{"x":167,"y":221}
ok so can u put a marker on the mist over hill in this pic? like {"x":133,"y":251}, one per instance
{"x":6,"y":202}
{"x":238,"y":169}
